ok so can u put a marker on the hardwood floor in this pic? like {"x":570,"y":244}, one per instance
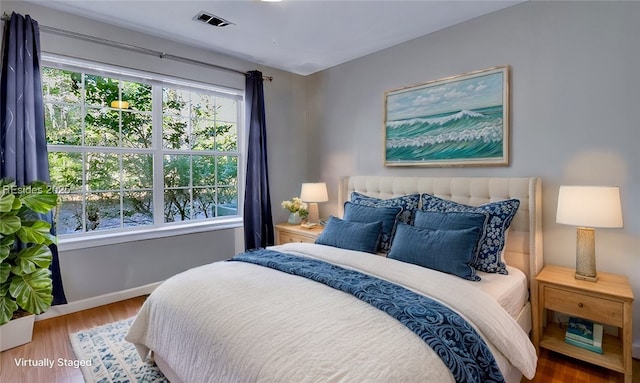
{"x":557,"y":368}
{"x":51,"y":341}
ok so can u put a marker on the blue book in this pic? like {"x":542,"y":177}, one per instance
{"x":584,"y":331}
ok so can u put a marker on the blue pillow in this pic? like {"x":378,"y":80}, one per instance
{"x":408,"y":203}
{"x":492,"y":241}
{"x":454,"y":220}
{"x":365,"y":214}
{"x":351,"y":235}
{"x":449,"y":251}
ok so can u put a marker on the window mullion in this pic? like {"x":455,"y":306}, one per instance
{"x":241,"y":154}
{"x":85,"y":155}
{"x":120,"y":158}
{"x":158,"y":173}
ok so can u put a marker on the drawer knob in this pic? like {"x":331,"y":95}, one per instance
{"x":580,"y":305}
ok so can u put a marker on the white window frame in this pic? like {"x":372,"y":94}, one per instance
{"x":157,"y":230}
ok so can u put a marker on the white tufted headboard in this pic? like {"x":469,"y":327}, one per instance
{"x":524,"y":241}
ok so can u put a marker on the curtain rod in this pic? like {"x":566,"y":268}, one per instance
{"x":134,"y":48}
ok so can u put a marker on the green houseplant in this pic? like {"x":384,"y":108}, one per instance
{"x":25,"y":279}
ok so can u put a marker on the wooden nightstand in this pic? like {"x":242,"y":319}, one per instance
{"x":286,"y":233}
{"x":607,"y":301}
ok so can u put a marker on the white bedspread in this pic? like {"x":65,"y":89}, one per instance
{"x":239,"y":322}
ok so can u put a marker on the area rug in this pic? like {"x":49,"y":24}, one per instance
{"x":105,"y":357}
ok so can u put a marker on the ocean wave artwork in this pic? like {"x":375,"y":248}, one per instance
{"x":452,"y":123}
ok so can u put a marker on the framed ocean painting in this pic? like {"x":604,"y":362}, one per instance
{"x":456,"y":121}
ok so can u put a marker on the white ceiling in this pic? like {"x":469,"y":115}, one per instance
{"x":299,"y":36}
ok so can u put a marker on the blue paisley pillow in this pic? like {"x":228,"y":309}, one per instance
{"x":408,"y":203}
{"x":501,"y":214}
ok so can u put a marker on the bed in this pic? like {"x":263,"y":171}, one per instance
{"x":290,"y":312}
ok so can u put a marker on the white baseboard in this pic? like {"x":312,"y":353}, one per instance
{"x":636,"y":349}
{"x":100,"y":300}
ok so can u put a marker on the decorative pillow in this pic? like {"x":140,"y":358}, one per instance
{"x":360,"y":213}
{"x":408,"y":203}
{"x":449,"y":251}
{"x":492,"y":242}
{"x":351,"y":235}
{"x":453,"y":220}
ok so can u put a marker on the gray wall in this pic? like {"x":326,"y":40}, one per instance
{"x":575,"y":110}
{"x":575,"y":115}
{"x":95,"y":271}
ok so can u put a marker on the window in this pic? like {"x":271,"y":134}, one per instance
{"x":131,"y":152}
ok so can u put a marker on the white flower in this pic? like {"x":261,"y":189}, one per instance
{"x":295,"y":205}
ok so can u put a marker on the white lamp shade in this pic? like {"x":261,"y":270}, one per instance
{"x":589,"y":206}
{"x":314,"y":192}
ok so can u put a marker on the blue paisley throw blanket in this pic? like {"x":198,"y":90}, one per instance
{"x":455,"y":341}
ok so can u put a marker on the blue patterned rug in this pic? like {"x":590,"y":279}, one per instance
{"x":112,"y":359}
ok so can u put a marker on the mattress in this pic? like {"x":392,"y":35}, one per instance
{"x":272,"y":326}
{"x":510,"y":291}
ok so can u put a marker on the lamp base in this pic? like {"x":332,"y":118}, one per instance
{"x":586,"y":254}
{"x":587,"y":278}
{"x":314,"y":216}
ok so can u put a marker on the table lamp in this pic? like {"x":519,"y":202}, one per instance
{"x":312,"y":193}
{"x":588,"y":207}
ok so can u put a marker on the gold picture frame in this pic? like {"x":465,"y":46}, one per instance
{"x":461,"y":120}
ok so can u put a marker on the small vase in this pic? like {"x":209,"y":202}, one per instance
{"x":294,"y":218}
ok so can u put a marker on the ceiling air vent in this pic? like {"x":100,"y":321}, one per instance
{"x":212,"y":19}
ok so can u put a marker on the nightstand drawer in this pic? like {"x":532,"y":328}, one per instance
{"x":584,"y":306}
{"x":289,"y":238}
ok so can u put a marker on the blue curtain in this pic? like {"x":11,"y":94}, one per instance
{"x":258,"y":221}
{"x":23,"y":145}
